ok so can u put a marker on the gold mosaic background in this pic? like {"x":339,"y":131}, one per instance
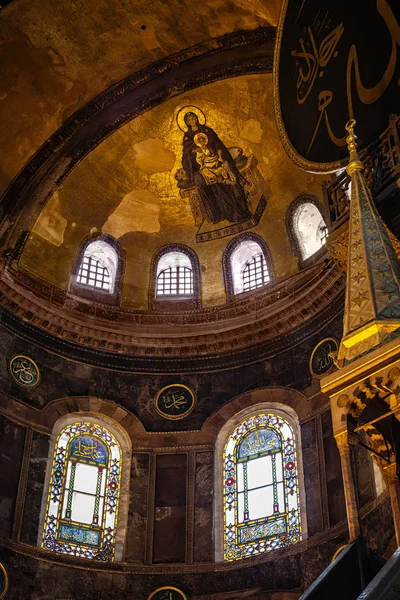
{"x":126,"y":187}
{"x":54,"y":58}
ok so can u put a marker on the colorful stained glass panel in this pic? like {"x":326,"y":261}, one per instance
{"x":261,"y":493}
{"x":88,"y":449}
{"x":83,"y":498}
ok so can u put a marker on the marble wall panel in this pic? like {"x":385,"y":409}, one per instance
{"x":61,"y":378}
{"x":378,"y":529}
{"x":364,"y":474}
{"x":11,"y":452}
{"x":34,"y":488}
{"x":203,"y":511}
{"x":280,"y":577}
{"x":334,"y":480}
{"x":312,"y":481}
{"x":138,"y":510}
{"x":170,"y":508}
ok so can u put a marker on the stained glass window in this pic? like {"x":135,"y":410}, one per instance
{"x":261,"y":491}
{"x":83,"y":497}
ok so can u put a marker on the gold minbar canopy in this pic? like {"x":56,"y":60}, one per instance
{"x":372,"y":307}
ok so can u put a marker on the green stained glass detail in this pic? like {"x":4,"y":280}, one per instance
{"x":261,"y":492}
{"x":83,"y":497}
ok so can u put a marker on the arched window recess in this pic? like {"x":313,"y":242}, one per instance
{"x":246,"y":264}
{"x":174,"y":278}
{"x":97,"y":272}
{"x":307,"y":228}
{"x":85,"y":500}
{"x":259,"y":492}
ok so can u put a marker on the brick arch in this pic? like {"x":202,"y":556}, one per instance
{"x":89,"y":404}
{"x":286,"y":396}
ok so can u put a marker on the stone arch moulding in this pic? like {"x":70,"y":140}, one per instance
{"x":297,"y":202}
{"x":226,"y":264}
{"x":126,"y":452}
{"x":175,"y":304}
{"x":272,"y":400}
{"x":94,"y":294}
{"x":232,"y":55}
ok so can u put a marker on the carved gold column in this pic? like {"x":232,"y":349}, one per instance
{"x":393,"y":485}
{"x":343,"y":442}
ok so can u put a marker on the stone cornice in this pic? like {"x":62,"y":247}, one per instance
{"x":319,"y":539}
{"x":264,"y":321}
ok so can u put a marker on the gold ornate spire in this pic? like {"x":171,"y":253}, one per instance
{"x":372,"y":308}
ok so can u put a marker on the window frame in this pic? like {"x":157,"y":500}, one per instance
{"x":292,"y":233}
{"x":92,"y":293}
{"x":125,"y":449}
{"x":174,"y":301}
{"x":289,"y":415}
{"x":227,"y":270}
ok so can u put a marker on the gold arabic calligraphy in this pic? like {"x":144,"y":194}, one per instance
{"x":312,"y":61}
{"x":174,"y":400}
{"x":24,"y":371}
{"x":88,"y":448}
{"x":315,"y":59}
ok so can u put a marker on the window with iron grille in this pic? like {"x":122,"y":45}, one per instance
{"x":246,"y":264}
{"x":255,"y":273}
{"x":98,"y":269}
{"x":94,"y":274}
{"x":175,"y":281}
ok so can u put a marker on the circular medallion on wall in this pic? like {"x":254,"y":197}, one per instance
{"x":3,"y":581}
{"x":321,"y":362}
{"x":24,"y":371}
{"x":175,"y":401}
{"x":167,"y":593}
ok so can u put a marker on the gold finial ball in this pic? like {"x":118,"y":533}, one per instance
{"x":350,"y":125}
{"x":394,"y":374}
{"x":352,"y":139}
{"x":343,"y":401}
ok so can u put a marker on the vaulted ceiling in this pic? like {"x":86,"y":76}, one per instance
{"x":91,"y":94}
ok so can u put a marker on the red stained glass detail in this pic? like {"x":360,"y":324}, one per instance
{"x":230,"y":481}
{"x":289,"y":466}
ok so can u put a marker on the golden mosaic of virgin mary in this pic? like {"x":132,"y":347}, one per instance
{"x":209,"y":166}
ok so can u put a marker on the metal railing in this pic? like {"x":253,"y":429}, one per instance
{"x":382,"y":172}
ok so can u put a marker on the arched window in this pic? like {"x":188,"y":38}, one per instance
{"x":261,"y":499}
{"x":98,"y":268}
{"x":246,"y":263}
{"x":306,"y":226}
{"x":83,"y":491}
{"x":175,"y":277}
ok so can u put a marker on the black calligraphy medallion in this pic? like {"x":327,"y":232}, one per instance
{"x":335,"y":61}
{"x":320,"y":361}
{"x":167,"y":593}
{"x":175,"y":401}
{"x":3,"y":581}
{"x":24,"y":371}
